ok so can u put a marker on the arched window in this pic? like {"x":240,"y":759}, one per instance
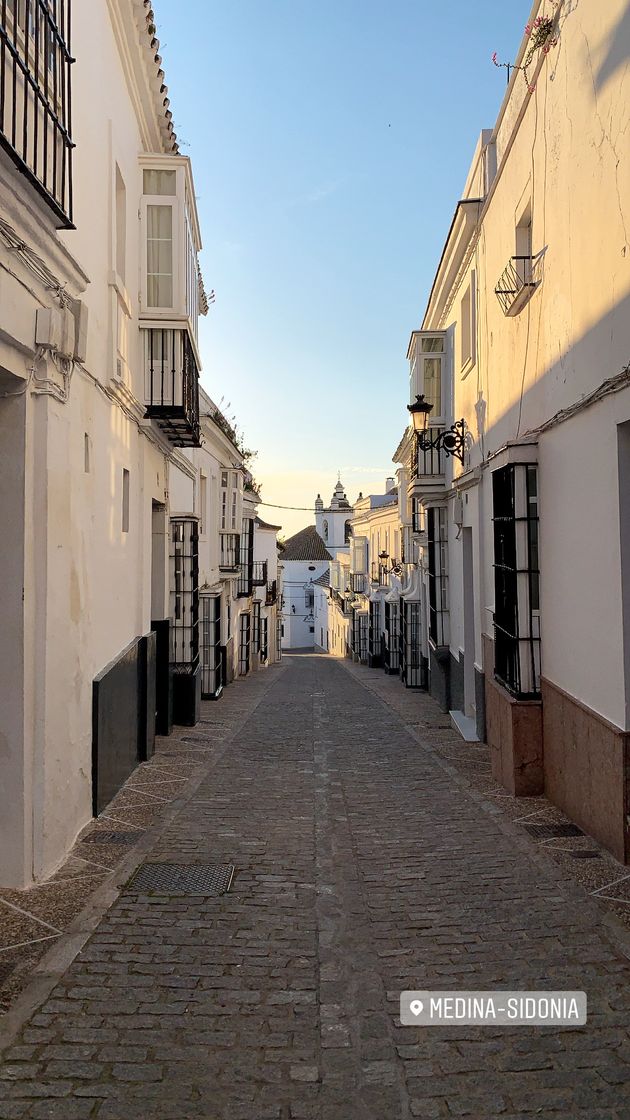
{"x":348,"y":531}
{"x":325,"y":527}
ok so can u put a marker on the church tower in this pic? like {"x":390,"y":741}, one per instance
{"x":333,"y":521}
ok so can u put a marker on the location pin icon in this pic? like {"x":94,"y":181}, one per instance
{"x":416,"y":1006}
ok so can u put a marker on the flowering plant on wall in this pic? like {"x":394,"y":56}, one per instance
{"x":542,"y":37}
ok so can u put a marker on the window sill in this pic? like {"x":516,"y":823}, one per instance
{"x":117,"y":284}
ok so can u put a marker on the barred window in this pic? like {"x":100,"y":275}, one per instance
{"x":438,"y":576}
{"x":516,"y":579}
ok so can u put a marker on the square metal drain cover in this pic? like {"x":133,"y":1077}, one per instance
{"x":180,"y":878}
{"x":552,"y":831}
{"x":111,"y":837}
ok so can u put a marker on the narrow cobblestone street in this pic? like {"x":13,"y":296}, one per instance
{"x":363,"y":867}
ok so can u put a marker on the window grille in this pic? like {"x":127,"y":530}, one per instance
{"x":411,"y":645}
{"x":244,"y":645}
{"x":516,"y":579}
{"x":246,"y":563}
{"x":438,"y":576}
{"x":392,"y":638}
{"x":375,"y":631}
{"x":184,"y":594}
{"x":36,"y":97}
{"x":211,"y":660}
{"x":264,"y":639}
{"x":256,"y":644}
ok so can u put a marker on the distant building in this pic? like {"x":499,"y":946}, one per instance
{"x":303,"y":560}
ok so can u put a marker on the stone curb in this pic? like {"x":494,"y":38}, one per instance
{"x":51,"y":967}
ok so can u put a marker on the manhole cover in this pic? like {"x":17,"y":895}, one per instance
{"x":553,"y":831}
{"x":585,"y":855}
{"x":111,"y":838}
{"x":6,"y":968}
{"x":177,"y":878}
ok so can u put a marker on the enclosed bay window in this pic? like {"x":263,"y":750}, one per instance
{"x":516,"y":579}
{"x":468,"y":327}
{"x":171,"y":281}
{"x":426,"y":354}
{"x":360,"y":634}
{"x":438,"y":575}
{"x":246,"y":561}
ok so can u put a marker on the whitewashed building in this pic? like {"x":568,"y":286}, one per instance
{"x":519,"y":489}
{"x":303,"y":559}
{"x":102,"y":479}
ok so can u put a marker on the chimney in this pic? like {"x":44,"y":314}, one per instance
{"x":389,"y":484}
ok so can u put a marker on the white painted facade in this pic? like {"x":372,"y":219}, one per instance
{"x":528,"y":323}
{"x":298,"y":599}
{"x":90,"y":488}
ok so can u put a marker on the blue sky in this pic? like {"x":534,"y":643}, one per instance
{"x":330,"y":143}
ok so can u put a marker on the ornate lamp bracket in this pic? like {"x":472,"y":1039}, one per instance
{"x":451,"y":442}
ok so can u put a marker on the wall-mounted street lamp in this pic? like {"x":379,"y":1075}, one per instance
{"x":384,"y":557}
{"x":452,"y":441}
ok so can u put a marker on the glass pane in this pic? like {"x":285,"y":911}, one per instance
{"x":432,"y":368}
{"x":432,"y":345}
{"x":159,"y":256}
{"x":159,"y":182}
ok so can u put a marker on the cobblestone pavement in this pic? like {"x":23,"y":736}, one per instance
{"x":363,"y":868}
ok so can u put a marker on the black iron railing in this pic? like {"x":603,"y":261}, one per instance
{"x":184,"y":594}
{"x":246,"y":559}
{"x":172,"y":384}
{"x":35,"y":97}
{"x":516,"y":283}
{"x":272,"y":593}
{"x":429,"y":460}
{"x":380,"y":574}
{"x":358,"y":583}
{"x":230,"y":551}
{"x":259,"y":573}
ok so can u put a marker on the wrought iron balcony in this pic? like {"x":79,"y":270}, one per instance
{"x":172,"y":384}
{"x":35,"y":98}
{"x":358,"y":583}
{"x":429,"y":457}
{"x":380,"y":574}
{"x":272,"y":593}
{"x":230,"y":552}
{"x":259,"y":574}
{"x":245,"y":581}
{"x":516,"y":283}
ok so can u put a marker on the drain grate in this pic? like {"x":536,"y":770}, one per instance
{"x":112,"y":838}
{"x":585,"y":854}
{"x":552,"y":831}
{"x":179,"y":878}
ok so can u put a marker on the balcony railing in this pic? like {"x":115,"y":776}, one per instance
{"x":516,"y":283}
{"x":259,"y":574}
{"x":358,"y":583}
{"x":380,"y":574}
{"x":429,"y":461}
{"x":272,"y":593}
{"x":230,"y":552}
{"x":245,"y":582}
{"x":172,"y":384}
{"x":35,"y":97}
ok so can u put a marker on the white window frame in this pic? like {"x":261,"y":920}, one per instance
{"x":177,"y":203}
{"x":416,"y":372}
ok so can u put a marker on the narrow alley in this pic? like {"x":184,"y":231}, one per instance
{"x":362,"y":867}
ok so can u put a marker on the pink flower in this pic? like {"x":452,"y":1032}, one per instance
{"x":494,"y":58}
{"x":531,"y":89}
{"x":528,"y":29}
